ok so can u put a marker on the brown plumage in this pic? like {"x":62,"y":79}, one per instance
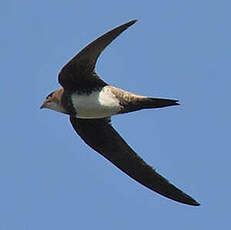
{"x":85,"y":95}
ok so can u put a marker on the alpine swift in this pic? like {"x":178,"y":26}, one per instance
{"x":90,"y":102}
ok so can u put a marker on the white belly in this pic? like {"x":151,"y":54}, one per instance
{"x":98,"y":104}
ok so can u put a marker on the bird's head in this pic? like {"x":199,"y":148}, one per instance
{"x":53,"y":101}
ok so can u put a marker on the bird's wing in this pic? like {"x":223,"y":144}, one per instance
{"x":79,"y":71}
{"x":102,"y":137}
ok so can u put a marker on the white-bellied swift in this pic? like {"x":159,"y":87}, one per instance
{"x":90,"y":102}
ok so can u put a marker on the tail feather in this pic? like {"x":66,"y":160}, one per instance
{"x":147,"y":103}
{"x":157,"y":103}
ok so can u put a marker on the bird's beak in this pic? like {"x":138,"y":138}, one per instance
{"x":42,"y":106}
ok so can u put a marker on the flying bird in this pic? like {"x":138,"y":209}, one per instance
{"x":90,"y":102}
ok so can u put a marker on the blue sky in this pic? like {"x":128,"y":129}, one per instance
{"x":50,"y":179}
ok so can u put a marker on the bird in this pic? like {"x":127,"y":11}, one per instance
{"x":90,"y":103}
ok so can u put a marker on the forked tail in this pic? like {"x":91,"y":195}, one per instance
{"x":147,"y":103}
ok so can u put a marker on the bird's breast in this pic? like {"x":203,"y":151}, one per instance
{"x":98,"y":104}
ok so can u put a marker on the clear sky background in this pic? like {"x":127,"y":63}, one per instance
{"x":49,"y":179}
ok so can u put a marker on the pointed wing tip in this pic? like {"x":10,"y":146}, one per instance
{"x":183,"y":198}
{"x":189,"y":200}
{"x":192,"y":202}
{"x":177,"y":195}
{"x":131,"y":22}
{"x":196,"y":203}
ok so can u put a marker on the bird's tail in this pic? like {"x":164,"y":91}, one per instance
{"x":147,"y":103}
